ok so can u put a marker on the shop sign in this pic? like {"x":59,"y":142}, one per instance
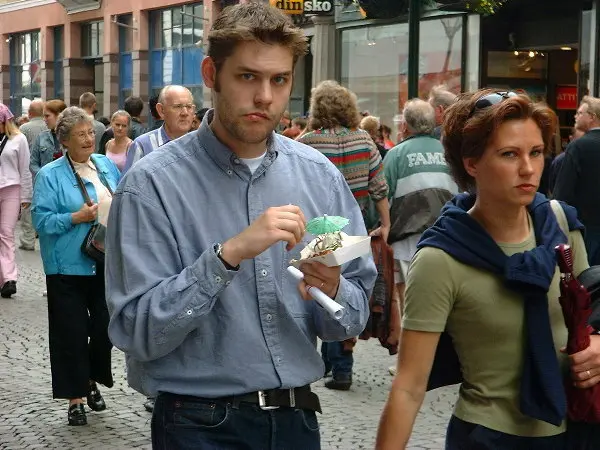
{"x":315,"y":7}
{"x":566,"y":97}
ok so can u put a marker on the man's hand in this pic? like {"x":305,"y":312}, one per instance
{"x":585,"y":365}
{"x":281,"y":223}
{"x":320,"y":276}
{"x":85,"y":214}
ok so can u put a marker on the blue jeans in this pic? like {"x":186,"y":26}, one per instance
{"x":463,"y":435}
{"x":336,"y":359}
{"x":182,"y":422}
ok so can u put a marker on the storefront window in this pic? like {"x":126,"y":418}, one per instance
{"x":58,"y":63}
{"x":175,"y":58}
{"x":92,"y":39}
{"x":440,"y":54}
{"x":585,"y":53}
{"x":375,"y":63}
{"x":25,"y":70}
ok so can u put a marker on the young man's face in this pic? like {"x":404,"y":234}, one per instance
{"x":251,"y":90}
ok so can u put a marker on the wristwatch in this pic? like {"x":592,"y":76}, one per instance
{"x":218,"y":249}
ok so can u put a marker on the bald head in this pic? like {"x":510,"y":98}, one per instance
{"x":168,"y":92}
{"x":176,"y":107}
{"x":36,"y":109}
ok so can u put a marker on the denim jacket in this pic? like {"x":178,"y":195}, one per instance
{"x":56,"y":195}
{"x":42,"y":152}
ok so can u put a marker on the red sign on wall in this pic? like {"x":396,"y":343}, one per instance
{"x":566,"y":97}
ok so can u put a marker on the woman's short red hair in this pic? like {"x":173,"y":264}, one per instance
{"x":467,"y":130}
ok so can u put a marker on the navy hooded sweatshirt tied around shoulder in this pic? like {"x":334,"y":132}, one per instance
{"x":530,"y":274}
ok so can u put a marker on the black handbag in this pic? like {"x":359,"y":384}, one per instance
{"x":93,"y":244}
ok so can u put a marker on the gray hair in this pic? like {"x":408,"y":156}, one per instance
{"x":121,"y":112}
{"x":441,"y":96}
{"x":419,"y":116}
{"x":67,"y":119}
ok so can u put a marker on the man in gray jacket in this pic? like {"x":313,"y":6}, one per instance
{"x":31,"y":130}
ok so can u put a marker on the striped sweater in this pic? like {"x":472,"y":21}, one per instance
{"x":355,"y":155}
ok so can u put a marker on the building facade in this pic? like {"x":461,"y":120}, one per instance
{"x":60,"y":49}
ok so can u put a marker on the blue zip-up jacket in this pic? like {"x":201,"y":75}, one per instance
{"x":56,"y":195}
{"x":42,"y":151}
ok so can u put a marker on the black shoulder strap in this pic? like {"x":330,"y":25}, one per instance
{"x":86,"y":196}
{"x":3,"y":144}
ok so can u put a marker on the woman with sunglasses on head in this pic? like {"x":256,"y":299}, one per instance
{"x":486,"y":274}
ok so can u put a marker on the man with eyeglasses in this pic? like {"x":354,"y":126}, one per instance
{"x":577,"y":182}
{"x":176,"y":107}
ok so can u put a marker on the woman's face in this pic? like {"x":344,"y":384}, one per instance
{"x":120,"y":126}
{"x":510,"y":169}
{"x":82,"y":141}
{"x":50,"y":119}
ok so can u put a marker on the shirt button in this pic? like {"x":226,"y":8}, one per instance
{"x":218,"y":279}
{"x":227,"y":283}
{"x":264,"y":273}
{"x":269,"y":317}
{"x":229,"y":172}
{"x":237,"y":161}
{"x":189,"y":312}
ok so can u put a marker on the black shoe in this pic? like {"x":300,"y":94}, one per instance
{"x":149,"y":404}
{"x":95,"y":400}
{"x":342,"y":383}
{"x":77,"y":415}
{"x":9,"y":288}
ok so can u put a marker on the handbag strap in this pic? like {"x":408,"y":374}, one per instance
{"x":3,"y":144}
{"x":81,"y":184}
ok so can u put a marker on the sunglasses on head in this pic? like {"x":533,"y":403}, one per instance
{"x":492,"y":99}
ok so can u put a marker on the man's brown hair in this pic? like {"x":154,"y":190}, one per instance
{"x":253,"y":22}
{"x":467,"y":130}
{"x":87,"y":100}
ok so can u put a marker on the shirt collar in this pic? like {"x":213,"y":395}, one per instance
{"x":222,"y":155}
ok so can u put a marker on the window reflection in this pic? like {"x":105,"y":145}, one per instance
{"x":375,"y":63}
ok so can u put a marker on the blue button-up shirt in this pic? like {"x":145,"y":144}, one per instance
{"x":186,"y":323}
{"x":144,"y":145}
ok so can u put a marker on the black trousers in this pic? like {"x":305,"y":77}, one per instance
{"x":77,"y":311}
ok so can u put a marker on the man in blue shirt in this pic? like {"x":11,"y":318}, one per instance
{"x":176,"y":106}
{"x":199,"y":238}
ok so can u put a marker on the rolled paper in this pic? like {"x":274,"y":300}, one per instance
{"x":334,"y":309}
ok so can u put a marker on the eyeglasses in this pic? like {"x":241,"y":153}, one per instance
{"x":491,"y":99}
{"x":180,"y":107}
{"x":82,"y":135}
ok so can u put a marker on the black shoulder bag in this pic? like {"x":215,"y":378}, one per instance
{"x":93,"y":244}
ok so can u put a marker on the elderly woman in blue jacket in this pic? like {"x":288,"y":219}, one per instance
{"x":75,"y":282}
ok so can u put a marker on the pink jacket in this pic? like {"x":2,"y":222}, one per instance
{"x":14,"y":166}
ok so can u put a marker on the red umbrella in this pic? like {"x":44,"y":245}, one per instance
{"x":583,"y":404}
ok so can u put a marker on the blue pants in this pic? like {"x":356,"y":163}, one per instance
{"x":463,"y":435}
{"x":336,"y":359}
{"x":182,"y":422}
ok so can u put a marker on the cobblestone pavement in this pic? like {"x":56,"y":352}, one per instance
{"x":30,"y":418}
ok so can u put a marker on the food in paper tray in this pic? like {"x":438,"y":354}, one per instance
{"x":334,"y":249}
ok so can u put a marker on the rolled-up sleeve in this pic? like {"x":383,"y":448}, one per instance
{"x":358,"y":276}
{"x":152,"y":299}
{"x":45,"y":209}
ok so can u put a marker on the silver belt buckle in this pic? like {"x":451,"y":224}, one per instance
{"x":262,"y":402}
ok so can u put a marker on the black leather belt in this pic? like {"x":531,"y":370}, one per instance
{"x":300,"y":398}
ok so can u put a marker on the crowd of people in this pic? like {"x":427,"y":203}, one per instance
{"x":170,"y":243}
